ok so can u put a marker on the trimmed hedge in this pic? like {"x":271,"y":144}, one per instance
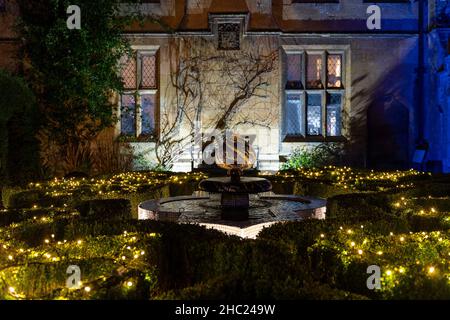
{"x":312,"y":259}
{"x":110,"y":209}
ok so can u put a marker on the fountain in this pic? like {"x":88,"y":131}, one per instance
{"x":234,"y":204}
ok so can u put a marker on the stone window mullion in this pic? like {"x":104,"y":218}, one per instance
{"x":138,"y":114}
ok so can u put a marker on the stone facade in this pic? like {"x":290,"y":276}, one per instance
{"x":393,"y":87}
{"x":379,"y":72}
{"x":9,"y":40}
{"x":437,"y":86}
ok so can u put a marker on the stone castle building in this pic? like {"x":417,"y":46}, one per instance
{"x":285,"y":74}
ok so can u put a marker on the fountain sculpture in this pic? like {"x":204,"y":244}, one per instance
{"x":234,"y":204}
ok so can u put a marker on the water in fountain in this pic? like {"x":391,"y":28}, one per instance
{"x":234,"y":204}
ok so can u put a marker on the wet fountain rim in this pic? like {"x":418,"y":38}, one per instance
{"x":246,"y":185}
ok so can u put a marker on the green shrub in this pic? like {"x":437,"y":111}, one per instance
{"x":135,"y":198}
{"x":318,"y":189}
{"x":318,"y":156}
{"x":110,"y":209}
{"x":25,"y":199}
{"x":7,"y":193}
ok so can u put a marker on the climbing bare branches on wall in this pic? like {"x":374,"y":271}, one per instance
{"x":214,"y":89}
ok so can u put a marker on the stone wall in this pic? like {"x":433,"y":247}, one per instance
{"x":9,"y":42}
{"x":379,"y":87}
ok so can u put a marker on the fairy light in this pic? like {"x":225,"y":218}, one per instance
{"x":129,"y":182}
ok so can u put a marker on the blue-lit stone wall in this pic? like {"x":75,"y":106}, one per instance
{"x":436,"y":117}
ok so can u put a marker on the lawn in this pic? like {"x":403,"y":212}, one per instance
{"x":398,"y":221}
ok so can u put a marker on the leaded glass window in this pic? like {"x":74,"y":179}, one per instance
{"x":294,"y":119}
{"x":294,"y":71}
{"x":128,"y":115}
{"x":148,"y":114}
{"x":314,"y":114}
{"x":148,"y":71}
{"x":334,"y":71}
{"x":129,"y":72}
{"x":138,"y":102}
{"x":314,"y":71}
{"x":334,"y":102}
{"x":314,"y":94}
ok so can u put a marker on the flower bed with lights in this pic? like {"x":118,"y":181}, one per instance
{"x":399,"y":221}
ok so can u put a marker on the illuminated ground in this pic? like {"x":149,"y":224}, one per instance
{"x":398,"y":221}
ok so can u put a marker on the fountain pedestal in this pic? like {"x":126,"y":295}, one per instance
{"x":235,"y":199}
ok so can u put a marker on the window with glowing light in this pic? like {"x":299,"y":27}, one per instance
{"x":314,"y":94}
{"x":139,"y":99}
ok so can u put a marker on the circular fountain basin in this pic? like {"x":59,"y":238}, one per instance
{"x":205,"y":209}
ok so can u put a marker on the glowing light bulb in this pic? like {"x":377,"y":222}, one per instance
{"x":431,"y":270}
{"x":87,"y":289}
